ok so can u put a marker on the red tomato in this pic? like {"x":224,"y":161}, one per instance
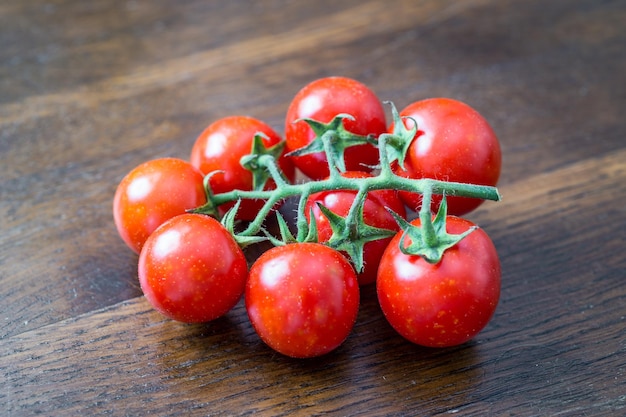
{"x":192,"y":270}
{"x":453,"y":143}
{"x":374,"y":214}
{"x":302,"y":299}
{"x":447,"y":303}
{"x":322,"y":100}
{"x":221,"y":147}
{"x":152,"y":193}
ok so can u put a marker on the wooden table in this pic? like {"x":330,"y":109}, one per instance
{"x":88,"y":90}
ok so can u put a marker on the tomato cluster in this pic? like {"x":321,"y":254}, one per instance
{"x":302,"y":296}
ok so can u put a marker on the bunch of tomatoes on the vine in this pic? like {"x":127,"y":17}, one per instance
{"x":437,"y":276}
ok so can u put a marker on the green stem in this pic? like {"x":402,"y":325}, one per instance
{"x":380,"y":182}
{"x":385,"y":166}
{"x":385,"y":180}
{"x":301,"y":223}
{"x":269,"y":162}
{"x":388,"y":145}
{"x":330,"y":155}
{"x":428,"y":230}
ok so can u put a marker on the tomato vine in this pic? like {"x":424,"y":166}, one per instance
{"x":350,"y":232}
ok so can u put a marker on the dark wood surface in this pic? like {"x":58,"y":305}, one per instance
{"x":89,"y":89}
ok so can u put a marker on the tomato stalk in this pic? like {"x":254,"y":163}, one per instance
{"x":425,"y":216}
{"x":385,"y":180}
{"x":349,"y":233}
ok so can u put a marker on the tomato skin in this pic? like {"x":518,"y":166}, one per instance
{"x":445,"y":304}
{"x":302,"y":299}
{"x":322,"y":100}
{"x":222,"y":145}
{"x":374,"y":214}
{"x":152,"y":193}
{"x":453,"y":143}
{"x":192,"y":270}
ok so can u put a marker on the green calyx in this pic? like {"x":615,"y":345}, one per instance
{"x":350,"y":233}
{"x":398,"y":142}
{"x":333,"y":139}
{"x":260,"y":170}
{"x":429,"y":240}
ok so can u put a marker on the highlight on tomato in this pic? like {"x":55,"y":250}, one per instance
{"x":152,"y":193}
{"x":302,"y":299}
{"x":191,"y":269}
{"x":322,"y":100}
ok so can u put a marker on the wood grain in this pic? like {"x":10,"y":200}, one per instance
{"x":90,"y":89}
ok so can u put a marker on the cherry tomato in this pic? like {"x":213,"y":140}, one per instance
{"x":302,"y":299}
{"x":447,"y":303}
{"x":374,"y":214}
{"x":453,"y":143}
{"x":192,"y":270}
{"x":322,"y":100}
{"x":222,"y":145}
{"x":152,"y":193}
